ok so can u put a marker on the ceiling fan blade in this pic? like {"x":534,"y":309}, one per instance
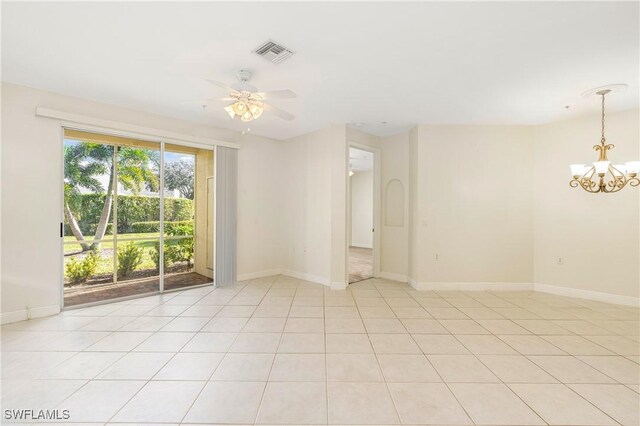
{"x":222,"y":85}
{"x":277,"y":94}
{"x":207,"y":101}
{"x":278,"y":112}
{"x":199,"y":101}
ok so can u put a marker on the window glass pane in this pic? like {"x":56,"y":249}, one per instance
{"x":88,"y":192}
{"x":139,"y":262}
{"x":138,"y":216}
{"x":186,"y":227}
{"x":88,"y":275}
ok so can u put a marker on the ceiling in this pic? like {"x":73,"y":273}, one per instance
{"x":360,"y":160}
{"x":386,"y":66}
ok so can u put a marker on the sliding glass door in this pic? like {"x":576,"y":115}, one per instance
{"x":136,"y":217}
{"x":186,"y":237}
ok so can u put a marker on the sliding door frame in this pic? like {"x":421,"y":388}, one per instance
{"x":161,"y":191}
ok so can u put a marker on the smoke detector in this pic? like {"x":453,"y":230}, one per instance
{"x":273,"y":52}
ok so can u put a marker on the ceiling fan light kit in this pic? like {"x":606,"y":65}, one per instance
{"x":602,"y":176}
{"x":249,"y":104}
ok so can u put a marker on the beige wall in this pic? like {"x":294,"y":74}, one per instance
{"x":260,"y":170}
{"x":596,"y":235}
{"x":306,"y":206}
{"x":475,"y":203}
{"x":32,"y":194}
{"x":314,"y":227}
{"x":394,"y":246}
{"x":361,"y":138}
{"x":339,"y":161}
{"x":493,"y":202}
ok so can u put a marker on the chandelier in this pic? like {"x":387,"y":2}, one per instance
{"x":602,"y":176}
{"x":247,"y":106}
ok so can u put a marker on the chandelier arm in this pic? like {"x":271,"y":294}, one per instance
{"x":614,"y":189}
{"x":587,"y":180}
{"x":588,"y":185}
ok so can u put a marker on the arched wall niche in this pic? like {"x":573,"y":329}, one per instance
{"x":394,"y":203}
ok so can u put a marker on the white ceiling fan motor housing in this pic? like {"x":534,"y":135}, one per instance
{"x":243,"y":82}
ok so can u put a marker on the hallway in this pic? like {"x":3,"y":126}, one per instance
{"x":360,"y":264}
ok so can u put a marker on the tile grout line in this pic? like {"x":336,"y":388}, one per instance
{"x":153,"y":375}
{"x":351,"y":295}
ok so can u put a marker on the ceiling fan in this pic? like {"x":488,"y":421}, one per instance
{"x":247,"y":103}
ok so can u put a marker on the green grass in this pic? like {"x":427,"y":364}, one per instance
{"x":105,"y":264}
{"x":108,"y":240}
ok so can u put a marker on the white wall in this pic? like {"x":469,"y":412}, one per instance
{"x":394,"y":245}
{"x":32,"y":194}
{"x":493,"y":203}
{"x":314,"y":184}
{"x":306,"y":207}
{"x":361,"y":138}
{"x":339,"y":181}
{"x":596,"y":235}
{"x":361,"y":193}
{"x":416,"y":271}
{"x":260,"y":173}
{"x":473,"y":204}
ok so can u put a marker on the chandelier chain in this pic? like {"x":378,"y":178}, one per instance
{"x":603,"y":139}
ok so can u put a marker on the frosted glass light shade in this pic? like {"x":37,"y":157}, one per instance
{"x":633,"y":167}
{"x":577,"y":169}
{"x":239,"y":108}
{"x":229,"y":110}
{"x":601,"y":166}
{"x":246,"y":117}
{"x":619,"y":168}
{"x":256,"y":110}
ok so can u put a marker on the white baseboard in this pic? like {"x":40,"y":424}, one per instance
{"x":259,"y":274}
{"x":393,"y":277}
{"x":295,"y":274}
{"x":412,"y":282}
{"x":307,"y":277}
{"x":587,"y":294}
{"x":25,"y":314}
{"x":470,"y":286}
{"x":338,"y":285}
{"x":367,"y":246}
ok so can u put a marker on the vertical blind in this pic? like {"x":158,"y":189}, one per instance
{"x":226,"y":214}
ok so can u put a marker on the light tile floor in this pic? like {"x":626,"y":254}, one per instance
{"x":279,"y":350}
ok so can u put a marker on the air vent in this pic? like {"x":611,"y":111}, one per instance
{"x":273,"y":52}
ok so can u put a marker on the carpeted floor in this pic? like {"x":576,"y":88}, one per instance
{"x":360,"y":264}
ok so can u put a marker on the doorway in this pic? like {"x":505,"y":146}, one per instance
{"x":137,"y":217}
{"x":361,"y":208}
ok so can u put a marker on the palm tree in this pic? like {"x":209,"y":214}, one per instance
{"x":79,"y":173}
{"x":87,"y":160}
